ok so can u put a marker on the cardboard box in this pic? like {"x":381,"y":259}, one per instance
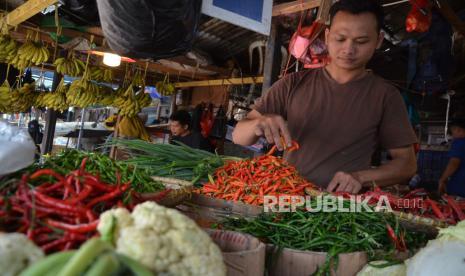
{"x":243,"y":254}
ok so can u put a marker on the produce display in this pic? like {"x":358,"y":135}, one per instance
{"x":331,"y":232}
{"x":177,"y":161}
{"x":53,"y":210}
{"x":249,"y":180}
{"x":63,"y":213}
{"x":97,"y":164}
{"x":162,"y":239}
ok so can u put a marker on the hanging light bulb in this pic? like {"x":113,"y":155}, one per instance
{"x":112,"y":60}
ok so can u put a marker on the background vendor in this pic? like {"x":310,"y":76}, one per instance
{"x":180,"y":127}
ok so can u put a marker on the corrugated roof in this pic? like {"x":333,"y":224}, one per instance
{"x":223,"y":40}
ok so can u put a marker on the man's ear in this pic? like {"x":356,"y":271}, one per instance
{"x":380,"y":40}
{"x":326,"y":35}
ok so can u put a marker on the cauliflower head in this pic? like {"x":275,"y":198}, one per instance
{"x":164,"y":240}
{"x":16,"y":253}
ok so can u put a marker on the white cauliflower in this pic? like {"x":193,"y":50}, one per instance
{"x":16,"y":253}
{"x":164,"y":240}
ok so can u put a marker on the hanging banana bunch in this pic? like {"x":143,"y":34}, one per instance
{"x":106,"y":96}
{"x":57,"y":99}
{"x":82,"y":93}
{"x":165,"y":88}
{"x":127,"y":103}
{"x":22,"y":99}
{"x":138,"y":79}
{"x":101,"y":74}
{"x":144,"y":99}
{"x":5,"y":100}
{"x":132,"y":127}
{"x":30,"y":53}
{"x":70,"y":66}
{"x":8,"y":48}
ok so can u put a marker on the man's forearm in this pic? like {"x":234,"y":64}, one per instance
{"x":244,"y":134}
{"x":452,"y":166}
{"x":394,"y":172}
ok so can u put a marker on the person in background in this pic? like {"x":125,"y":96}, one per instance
{"x":452,"y":180}
{"x":180,"y":127}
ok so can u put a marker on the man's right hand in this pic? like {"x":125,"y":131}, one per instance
{"x":442,"y":186}
{"x":272,"y":127}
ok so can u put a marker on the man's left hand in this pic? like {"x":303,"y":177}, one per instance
{"x":344,"y":182}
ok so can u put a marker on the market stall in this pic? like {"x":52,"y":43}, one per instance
{"x":94,"y":180}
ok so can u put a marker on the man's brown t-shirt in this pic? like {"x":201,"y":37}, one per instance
{"x":338,"y":126}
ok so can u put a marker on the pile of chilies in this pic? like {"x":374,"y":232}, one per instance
{"x":60,"y":214}
{"x":249,"y":181}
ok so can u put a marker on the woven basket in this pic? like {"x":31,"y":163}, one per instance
{"x":420,"y":224}
{"x":207,"y":211}
{"x":176,"y":192}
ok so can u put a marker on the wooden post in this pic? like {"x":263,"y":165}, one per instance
{"x":115,"y":135}
{"x":50,"y":121}
{"x":272,"y":58}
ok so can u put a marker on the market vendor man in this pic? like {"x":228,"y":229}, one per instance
{"x":340,"y":113}
{"x":180,"y":127}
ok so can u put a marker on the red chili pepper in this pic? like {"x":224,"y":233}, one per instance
{"x":437,"y":212}
{"x":108,"y":196}
{"x":90,"y":215}
{"x":393,"y":237}
{"x":82,"y":168}
{"x":68,"y":245}
{"x":74,"y":228}
{"x":47,"y":172}
{"x":452,"y":203}
{"x":82,"y":195}
{"x":49,"y":188}
{"x":52,"y":202}
{"x":53,"y":244}
{"x":95,"y":182}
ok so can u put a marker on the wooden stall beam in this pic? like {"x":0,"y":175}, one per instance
{"x":273,"y":58}
{"x":230,"y":81}
{"x":27,"y":10}
{"x":295,"y":6}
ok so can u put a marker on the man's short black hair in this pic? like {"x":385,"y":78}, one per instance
{"x":358,"y":7}
{"x":457,"y":122}
{"x":181,"y":116}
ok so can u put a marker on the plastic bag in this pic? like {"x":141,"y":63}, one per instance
{"x":149,"y":29}
{"x":419,"y":17}
{"x":16,"y":148}
{"x":307,"y":46}
{"x":81,"y":11}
